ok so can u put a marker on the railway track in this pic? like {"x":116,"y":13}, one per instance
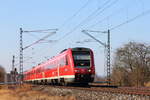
{"x":119,"y":90}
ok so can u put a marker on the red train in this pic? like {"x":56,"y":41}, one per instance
{"x":73,"y":65}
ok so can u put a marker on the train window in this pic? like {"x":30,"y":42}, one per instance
{"x":49,"y":66}
{"x":38,"y":70}
{"x":81,"y":58}
{"x":66,"y":60}
{"x":60,"y":62}
{"x":55,"y":63}
{"x":63,"y":61}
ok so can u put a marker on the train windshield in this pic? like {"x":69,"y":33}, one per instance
{"x":81,"y":59}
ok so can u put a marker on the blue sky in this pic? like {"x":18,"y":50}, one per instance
{"x":45,"y":14}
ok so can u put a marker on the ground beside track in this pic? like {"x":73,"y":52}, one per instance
{"x":27,"y":92}
{"x":41,"y":92}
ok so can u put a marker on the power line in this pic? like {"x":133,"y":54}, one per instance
{"x":24,"y":61}
{"x":93,"y":25}
{"x":95,"y":11}
{"x":39,"y":31}
{"x":108,"y":6}
{"x":75,"y":14}
{"x":106,"y":45}
{"x":33,"y":36}
{"x":87,"y":18}
{"x":23,"y":48}
{"x":132,"y":19}
{"x":100,"y":42}
{"x":105,"y":18}
{"x":42,"y":31}
{"x":43,"y":38}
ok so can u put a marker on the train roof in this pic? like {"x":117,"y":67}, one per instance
{"x":61,"y":53}
{"x":77,"y":49}
{"x":80,"y":49}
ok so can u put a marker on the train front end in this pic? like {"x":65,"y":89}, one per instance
{"x":84,"y":67}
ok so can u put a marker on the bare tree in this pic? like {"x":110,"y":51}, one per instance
{"x":132,"y":63}
{"x":2,"y":74}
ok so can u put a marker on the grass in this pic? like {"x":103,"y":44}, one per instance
{"x":26,"y":93}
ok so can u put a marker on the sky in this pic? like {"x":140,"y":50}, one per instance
{"x":70,"y":17}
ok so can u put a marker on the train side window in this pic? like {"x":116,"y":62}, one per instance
{"x":66,"y":60}
{"x":62,"y":61}
{"x":38,"y":70}
{"x":55,"y":64}
{"x":49,"y":66}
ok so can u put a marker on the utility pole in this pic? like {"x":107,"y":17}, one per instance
{"x":13,"y":63}
{"x":107,"y":46}
{"x":23,"y":48}
{"x":21,"y":58}
{"x":108,"y":57}
{"x":12,"y":71}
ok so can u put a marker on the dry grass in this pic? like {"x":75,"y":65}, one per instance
{"x":25,"y":93}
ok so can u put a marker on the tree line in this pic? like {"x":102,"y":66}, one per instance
{"x":2,"y":74}
{"x":131,"y":65}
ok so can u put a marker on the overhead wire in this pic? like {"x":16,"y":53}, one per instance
{"x":95,"y":11}
{"x":43,"y":38}
{"x":127,"y":21}
{"x":131,"y":19}
{"x":39,"y":39}
{"x":39,"y":31}
{"x":45,"y":31}
{"x":24,"y":61}
{"x":87,"y":18}
{"x":34,"y":36}
{"x":108,"y":6}
{"x":109,"y":16}
{"x":75,"y":14}
{"x":49,"y":31}
{"x":105,"y":18}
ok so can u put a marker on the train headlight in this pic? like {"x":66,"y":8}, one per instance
{"x":89,"y":70}
{"x":77,"y":70}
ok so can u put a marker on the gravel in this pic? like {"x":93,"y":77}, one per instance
{"x":87,"y":95}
